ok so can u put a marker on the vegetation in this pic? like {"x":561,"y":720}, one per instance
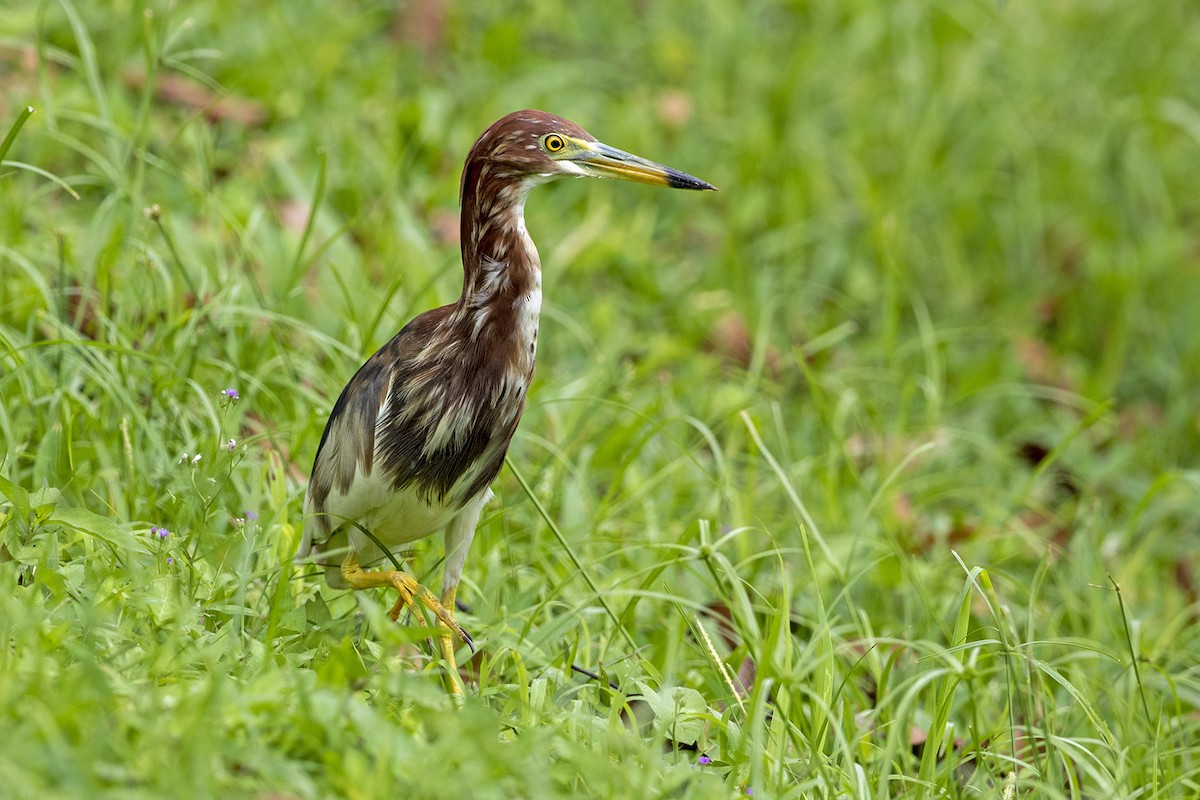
{"x":874,"y":475}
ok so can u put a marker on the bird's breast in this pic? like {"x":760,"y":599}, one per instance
{"x":450,"y":413}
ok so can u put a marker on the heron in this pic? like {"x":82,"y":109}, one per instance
{"x":418,"y":434}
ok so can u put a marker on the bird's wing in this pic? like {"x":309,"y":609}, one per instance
{"x":347,"y":446}
{"x":413,"y":418}
{"x":351,"y":443}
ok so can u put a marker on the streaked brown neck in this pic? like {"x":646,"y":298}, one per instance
{"x":502,"y":282}
{"x":492,"y":227}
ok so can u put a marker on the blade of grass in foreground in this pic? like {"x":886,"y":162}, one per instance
{"x":7,"y":144}
{"x":14,"y":130}
{"x":566,"y":546}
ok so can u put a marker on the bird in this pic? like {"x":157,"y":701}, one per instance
{"x":418,"y":434}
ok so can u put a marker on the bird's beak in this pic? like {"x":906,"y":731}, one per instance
{"x":602,"y":161}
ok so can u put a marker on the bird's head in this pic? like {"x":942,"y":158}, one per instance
{"x":534,"y":146}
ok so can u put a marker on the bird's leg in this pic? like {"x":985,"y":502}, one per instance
{"x":459,"y":534}
{"x":410,"y":591}
{"x":446,"y":645}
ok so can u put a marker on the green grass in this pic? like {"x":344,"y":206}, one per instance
{"x":900,"y":429}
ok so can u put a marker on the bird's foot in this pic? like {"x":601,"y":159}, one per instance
{"x":410,"y":591}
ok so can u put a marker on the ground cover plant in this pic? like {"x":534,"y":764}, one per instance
{"x":874,"y":475}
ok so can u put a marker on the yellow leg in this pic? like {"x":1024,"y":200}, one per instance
{"x":411,"y":591}
{"x":446,"y":645}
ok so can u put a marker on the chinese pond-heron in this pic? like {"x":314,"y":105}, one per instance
{"x":418,"y":434}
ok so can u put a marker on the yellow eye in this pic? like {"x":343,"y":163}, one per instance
{"x":553,"y":142}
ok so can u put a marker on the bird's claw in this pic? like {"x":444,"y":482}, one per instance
{"x":448,"y":621}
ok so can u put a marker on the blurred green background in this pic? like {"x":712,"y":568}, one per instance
{"x":941,"y":315}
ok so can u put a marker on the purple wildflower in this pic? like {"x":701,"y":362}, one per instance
{"x":161,"y":533}
{"x":170,"y":560}
{"x":704,"y":761}
{"x":231,"y":395}
{"x":252,"y":516}
{"x":749,"y":791}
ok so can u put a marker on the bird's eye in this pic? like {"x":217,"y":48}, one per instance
{"x":553,"y":142}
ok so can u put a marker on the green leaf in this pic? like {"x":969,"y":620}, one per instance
{"x":679,"y":712}
{"x":90,"y":523}
{"x":17,"y":496}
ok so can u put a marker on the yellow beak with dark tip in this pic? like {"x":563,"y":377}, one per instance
{"x":603,"y":161}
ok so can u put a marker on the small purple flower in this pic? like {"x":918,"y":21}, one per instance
{"x":252,"y":516}
{"x":170,"y":560}
{"x":749,"y":791}
{"x":704,"y":761}
{"x":231,"y":395}
{"x":161,"y":533}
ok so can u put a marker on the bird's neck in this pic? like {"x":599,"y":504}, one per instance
{"x":492,"y":227}
{"x":502,"y":279}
